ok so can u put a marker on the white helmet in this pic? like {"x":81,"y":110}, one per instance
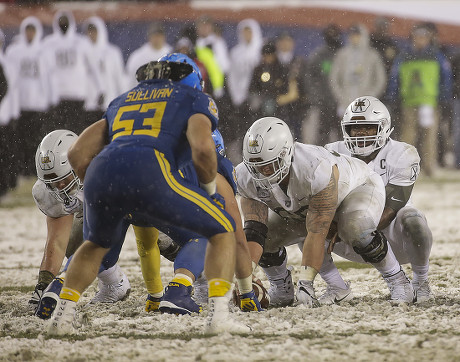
{"x":53,"y":165}
{"x":268,"y":142}
{"x":366,"y":110}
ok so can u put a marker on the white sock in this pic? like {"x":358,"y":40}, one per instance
{"x":330,"y":273}
{"x":389,"y":265}
{"x":245,"y":284}
{"x":111,"y":276}
{"x":277,"y":272}
{"x":420,"y":273}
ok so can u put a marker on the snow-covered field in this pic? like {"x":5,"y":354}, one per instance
{"x":365,"y":329}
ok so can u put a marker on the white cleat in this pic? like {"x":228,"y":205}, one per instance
{"x":401,"y":289}
{"x":423,"y":292}
{"x":336,"y":295}
{"x":112,"y":293}
{"x":219,"y":320}
{"x":306,"y":294}
{"x":281,"y":291}
{"x":62,"y":320}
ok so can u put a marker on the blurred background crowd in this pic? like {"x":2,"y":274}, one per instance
{"x":65,"y":75}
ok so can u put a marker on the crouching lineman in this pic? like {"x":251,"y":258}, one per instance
{"x":307,"y":187}
{"x":58,"y":193}
{"x":165,"y":118}
{"x":366,"y":128}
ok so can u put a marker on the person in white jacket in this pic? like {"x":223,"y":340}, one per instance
{"x":111,"y":68}
{"x":154,"y":49}
{"x":357,"y":69}
{"x":244,"y":57}
{"x":71,"y":68}
{"x":33,"y":89}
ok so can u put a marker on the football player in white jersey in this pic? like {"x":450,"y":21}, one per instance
{"x":366,"y":128}
{"x":308,"y":187}
{"x":58,"y":193}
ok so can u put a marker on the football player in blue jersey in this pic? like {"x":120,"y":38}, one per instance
{"x":146,"y":134}
{"x":189,"y":262}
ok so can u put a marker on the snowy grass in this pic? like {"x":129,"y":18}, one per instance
{"x":366,"y":328}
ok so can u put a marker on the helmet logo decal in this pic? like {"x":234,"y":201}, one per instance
{"x":360,"y":105}
{"x":255,"y":143}
{"x":212,"y":108}
{"x":47,"y":161}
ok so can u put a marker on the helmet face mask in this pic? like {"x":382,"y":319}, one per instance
{"x":53,"y":167}
{"x":268,"y":147}
{"x":363,"y":111}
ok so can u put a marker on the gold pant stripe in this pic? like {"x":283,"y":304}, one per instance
{"x":194,"y":197}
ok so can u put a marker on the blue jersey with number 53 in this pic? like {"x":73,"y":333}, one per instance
{"x":155,"y":113}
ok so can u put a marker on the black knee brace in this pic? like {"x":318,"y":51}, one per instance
{"x":273,"y":259}
{"x":255,"y":231}
{"x":376,"y":250}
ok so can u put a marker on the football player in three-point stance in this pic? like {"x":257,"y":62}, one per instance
{"x":308,"y":188}
{"x":366,"y":128}
{"x":148,"y":132}
{"x":58,"y":193}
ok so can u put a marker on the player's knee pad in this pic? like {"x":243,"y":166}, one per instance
{"x":256,"y":231}
{"x":273,"y":259}
{"x":415,"y":226}
{"x":191,"y":256}
{"x":376,"y":250}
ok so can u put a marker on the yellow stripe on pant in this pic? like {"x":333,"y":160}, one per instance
{"x":194,"y":197}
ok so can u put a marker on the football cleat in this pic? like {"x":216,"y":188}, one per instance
{"x":335,"y":295}
{"x":62,"y":321}
{"x":401,"y":289}
{"x":49,"y":299}
{"x":249,"y":302}
{"x":423,"y":292}
{"x":34,"y":300}
{"x":178,"y":300}
{"x":281,"y":291}
{"x":306,"y":294}
{"x":218,"y":319}
{"x":152,"y":304}
{"x":112,"y":293}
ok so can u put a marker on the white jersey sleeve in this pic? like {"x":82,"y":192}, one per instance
{"x":51,"y":206}
{"x":398,"y":163}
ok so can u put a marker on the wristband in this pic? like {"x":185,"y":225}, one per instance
{"x":210,"y":187}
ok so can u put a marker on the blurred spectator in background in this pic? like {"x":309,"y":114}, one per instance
{"x":244,"y":57}
{"x":207,"y":38}
{"x":154,"y":49}
{"x":33,"y":88}
{"x":322,"y":125}
{"x":445,"y":147}
{"x":186,"y":44}
{"x":383,"y":42}
{"x":292,"y":105}
{"x":421,"y":78}
{"x":9,"y":113}
{"x":357,"y":70}
{"x":110,"y":65}
{"x":269,"y":82}
{"x":72,"y":67}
